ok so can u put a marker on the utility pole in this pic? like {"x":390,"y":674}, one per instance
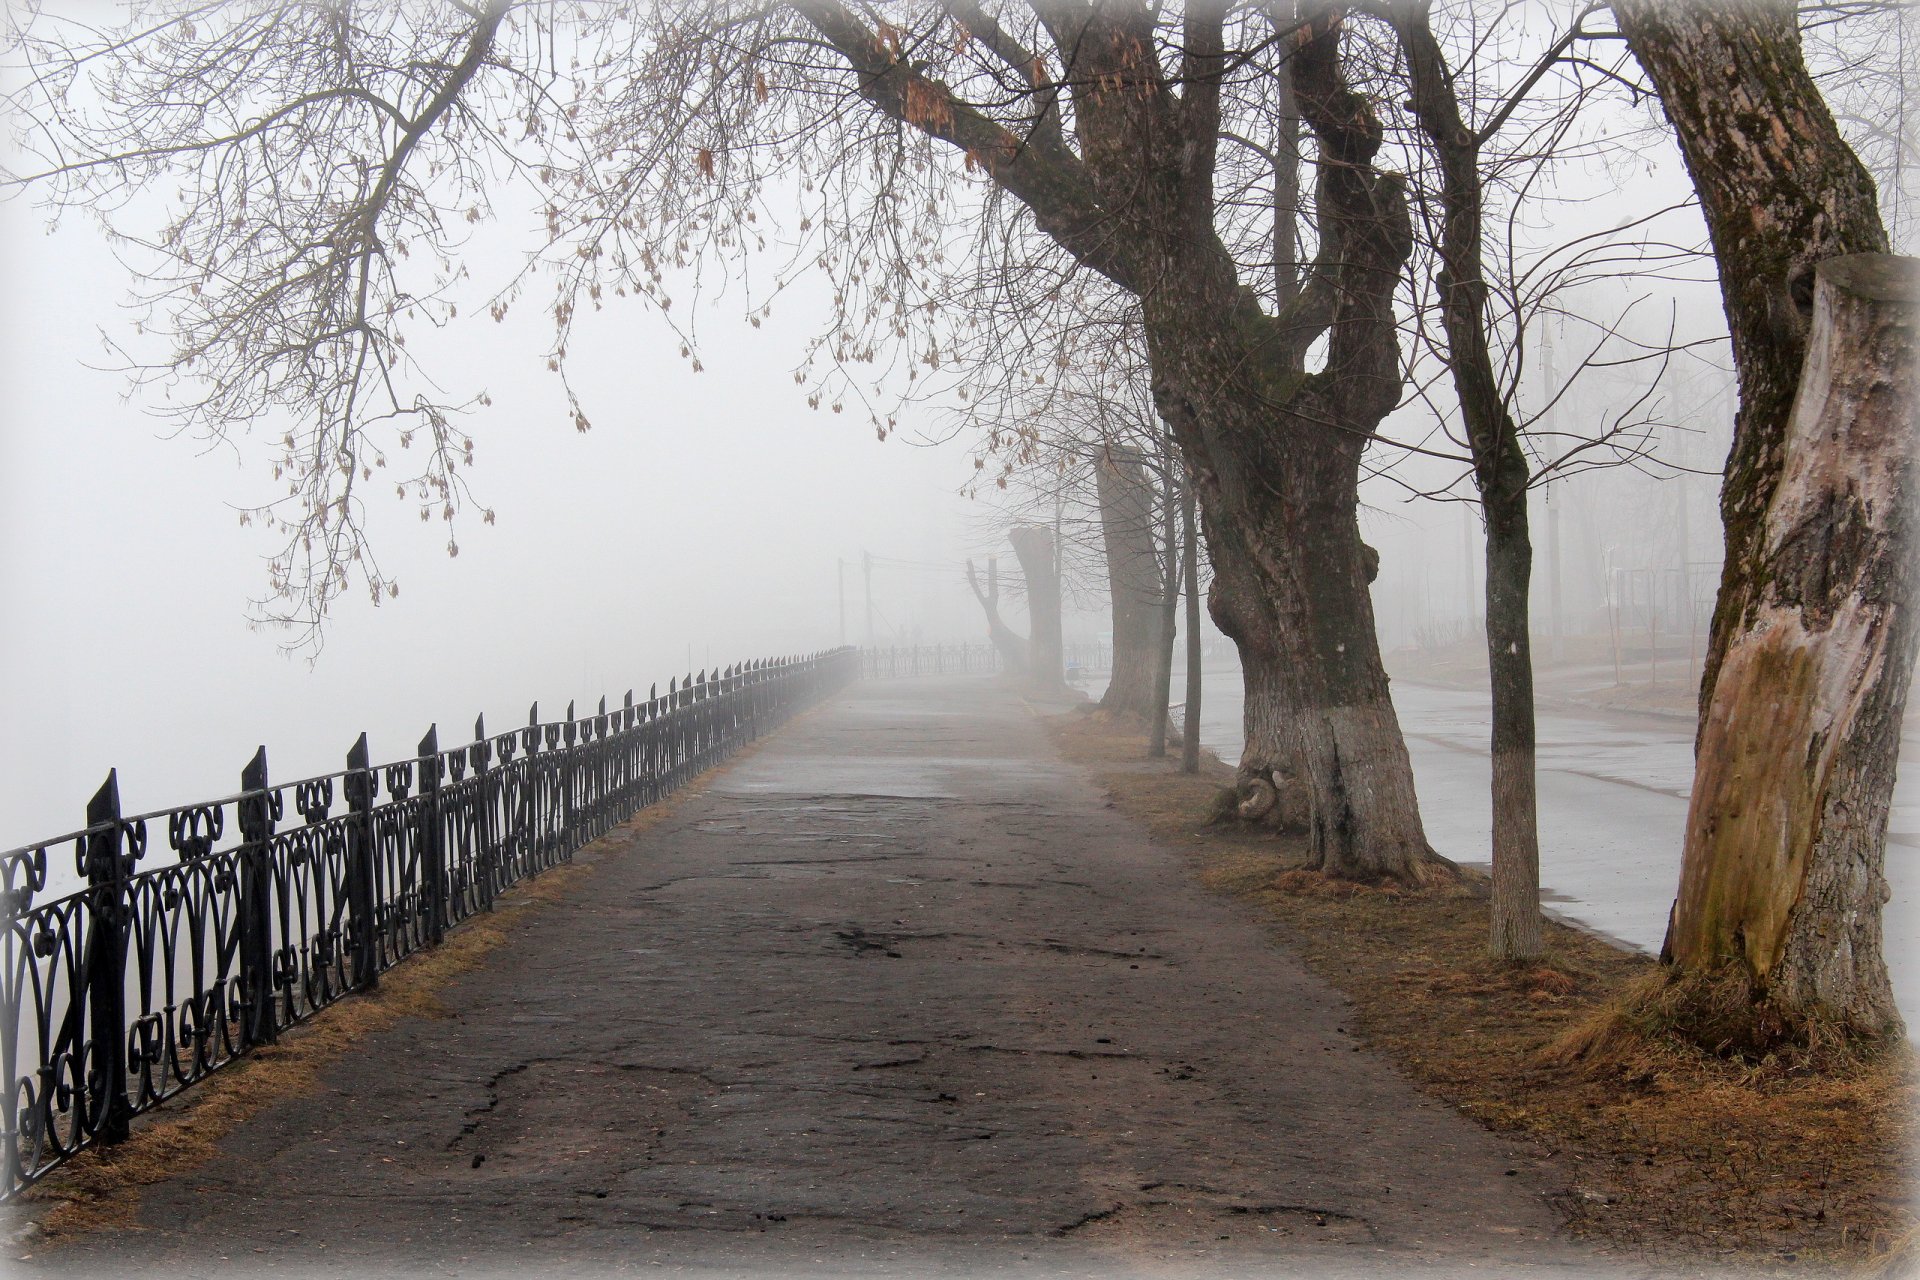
{"x":866,"y":562}
{"x":1057,"y":503}
{"x":840,"y":565}
{"x":1190,"y":730}
{"x":1553,"y":569}
{"x":1466,"y":559}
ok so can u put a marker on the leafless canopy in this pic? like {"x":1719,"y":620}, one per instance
{"x":295,"y":182}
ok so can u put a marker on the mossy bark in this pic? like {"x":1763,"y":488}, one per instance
{"x":1811,"y":649}
{"x":1786,"y":831}
{"x":1273,"y":452}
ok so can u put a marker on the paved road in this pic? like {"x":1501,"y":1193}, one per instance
{"x":1613,"y":808}
{"x":898,"y":994}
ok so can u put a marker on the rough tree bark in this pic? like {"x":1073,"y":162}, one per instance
{"x":1046,"y":662}
{"x":1008,"y":643}
{"x":1786,"y":835}
{"x":1133,"y":578}
{"x":1274,"y":452}
{"x":1810,"y":648}
{"x":1501,"y":473}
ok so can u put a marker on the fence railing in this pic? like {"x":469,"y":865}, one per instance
{"x":965,"y":659}
{"x":929,"y":660}
{"x":144,"y":982}
{"x":1088,"y":657}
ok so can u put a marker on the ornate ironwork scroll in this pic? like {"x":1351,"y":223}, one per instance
{"x":142,"y":982}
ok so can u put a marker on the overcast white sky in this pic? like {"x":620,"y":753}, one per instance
{"x":699,"y":523}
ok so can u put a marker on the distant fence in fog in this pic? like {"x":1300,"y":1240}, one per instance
{"x":980,"y":659}
{"x":141,"y":984}
{"x":929,"y":660}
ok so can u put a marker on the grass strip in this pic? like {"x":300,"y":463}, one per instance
{"x":1667,"y":1150}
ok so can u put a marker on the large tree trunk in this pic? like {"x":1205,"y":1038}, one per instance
{"x":1787,"y":828}
{"x":1008,"y":643}
{"x":1273,"y":452}
{"x":1046,"y":662}
{"x":1501,"y":473}
{"x":1294,"y":599}
{"x":1133,"y":578}
{"x":1275,"y":455}
{"x":1780,"y":874}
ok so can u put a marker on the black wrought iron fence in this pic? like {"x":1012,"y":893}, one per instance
{"x":144,"y":982}
{"x":1088,"y":657}
{"x":929,"y":660}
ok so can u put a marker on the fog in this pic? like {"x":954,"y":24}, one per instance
{"x":701,"y":522}
{"x":708,"y":517}
{"x":704,"y":519}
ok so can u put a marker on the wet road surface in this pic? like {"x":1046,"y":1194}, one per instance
{"x":897,"y":994}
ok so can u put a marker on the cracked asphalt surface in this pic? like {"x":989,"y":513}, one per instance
{"x":897,"y":994}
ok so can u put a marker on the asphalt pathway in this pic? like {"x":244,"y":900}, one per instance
{"x":897,"y":994}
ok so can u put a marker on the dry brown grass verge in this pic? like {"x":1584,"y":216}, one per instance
{"x":99,"y":1189}
{"x":1663,"y":1148}
{"x":1719,"y":1012}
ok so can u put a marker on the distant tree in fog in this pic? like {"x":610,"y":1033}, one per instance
{"x":328,"y":159}
{"x":979,"y":187}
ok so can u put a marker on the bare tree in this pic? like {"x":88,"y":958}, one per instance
{"x":1777,"y":923}
{"x":1008,"y":643}
{"x":1502,"y":473}
{"x":652,"y":139}
{"x":1093,"y":427}
{"x":1033,"y":544}
{"x":1087,"y":443}
{"x":322,"y":148}
{"x":1468,"y":159}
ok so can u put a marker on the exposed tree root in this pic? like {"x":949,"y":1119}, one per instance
{"x":1262,"y":797}
{"x":1437,"y":877}
{"x":1258,"y":798}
